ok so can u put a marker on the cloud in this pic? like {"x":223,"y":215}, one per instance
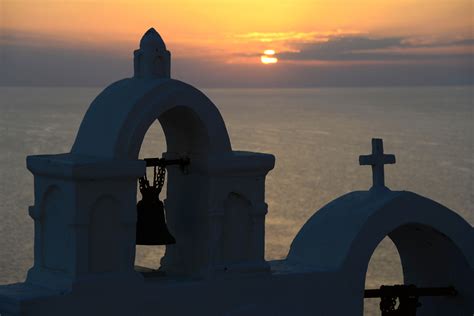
{"x":341,"y":48}
{"x":300,"y":37}
{"x":358,"y":48}
{"x":30,"y":65}
{"x":469,"y":41}
{"x":24,"y":64}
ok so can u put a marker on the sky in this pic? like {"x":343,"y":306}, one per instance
{"x":221,"y":43}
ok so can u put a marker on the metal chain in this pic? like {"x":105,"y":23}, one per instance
{"x":159,"y":178}
{"x":144,"y":184}
{"x":387,"y":304}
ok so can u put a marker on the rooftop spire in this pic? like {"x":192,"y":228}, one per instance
{"x":152,"y":59}
{"x":151,"y":40}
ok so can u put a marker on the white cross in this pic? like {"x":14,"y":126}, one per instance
{"x":377,"y":160}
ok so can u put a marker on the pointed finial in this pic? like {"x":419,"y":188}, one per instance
{"x":152,"y":60}
{"x":151,"y":40}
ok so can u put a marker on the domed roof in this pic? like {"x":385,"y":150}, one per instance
{"x":151,"y":40}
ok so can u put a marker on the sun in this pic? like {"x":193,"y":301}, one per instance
{"x":268,"y":57}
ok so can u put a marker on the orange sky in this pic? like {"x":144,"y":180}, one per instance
{"x":223,"y":28}
{"x":424,"y":41}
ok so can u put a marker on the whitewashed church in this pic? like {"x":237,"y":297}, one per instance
{"x":87,"y":222}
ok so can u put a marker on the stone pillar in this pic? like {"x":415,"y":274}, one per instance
{"x":238,"y":187}
{"x":216,"y":216}
{"x":85,"y":217}
{"x":258,"y":231}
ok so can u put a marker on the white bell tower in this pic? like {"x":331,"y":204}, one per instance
{"x":85,"y":200}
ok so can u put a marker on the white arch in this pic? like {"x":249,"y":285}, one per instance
{"x":436,"y":245}
{"x":117,"y":120}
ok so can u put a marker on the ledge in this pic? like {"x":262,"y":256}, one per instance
{"x":73,"y":166}
{"x":235,"y":163}
{"x":13,"y":297}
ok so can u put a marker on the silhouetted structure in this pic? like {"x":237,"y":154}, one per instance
{"x":85,"y":217}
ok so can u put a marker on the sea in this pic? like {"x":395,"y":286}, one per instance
{"x":316,"y":135}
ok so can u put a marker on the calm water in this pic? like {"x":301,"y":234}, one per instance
{"x":316,"y":135}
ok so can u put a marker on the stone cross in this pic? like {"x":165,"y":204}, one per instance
{"x":377,"y":160}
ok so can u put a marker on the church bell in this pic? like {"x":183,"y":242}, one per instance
{"x":151,"y":224}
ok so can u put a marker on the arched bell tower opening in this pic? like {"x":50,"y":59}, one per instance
{"x":434,"y":244}
{"x":433,"y":265}
{"x":432,"y":259}
{"x":385,"y":268}
{"x":176,"y":135}
{"x":154,"y":145}
{"x":197,"y":193}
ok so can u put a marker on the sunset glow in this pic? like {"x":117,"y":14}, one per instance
{"x":268,"y":57}
{"x":269,"y":52}
{"x":228,"y":35}
{"x":268,"y":60}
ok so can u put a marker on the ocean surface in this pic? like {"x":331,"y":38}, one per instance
{"x":315,"y":134}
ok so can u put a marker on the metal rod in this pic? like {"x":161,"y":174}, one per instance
{"x":397,"y":291}
{"x":162,"y":162}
